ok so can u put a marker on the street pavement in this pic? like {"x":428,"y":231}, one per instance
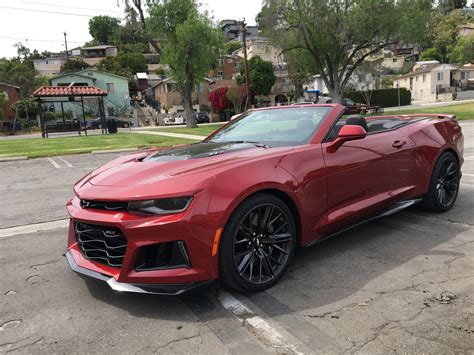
{"x":403,"y":284}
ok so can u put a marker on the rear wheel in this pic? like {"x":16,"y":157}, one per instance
{"x":257,"y":244}
{"x":444,"y":184}
{"x":125,"y":125}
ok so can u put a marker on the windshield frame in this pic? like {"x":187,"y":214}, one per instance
{"x":330,"y":115}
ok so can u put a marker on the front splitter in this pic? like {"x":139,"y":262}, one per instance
{"x":155,"y":289}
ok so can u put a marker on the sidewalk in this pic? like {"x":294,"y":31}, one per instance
{"x":173,"y":135}
{"x":419,"y":104}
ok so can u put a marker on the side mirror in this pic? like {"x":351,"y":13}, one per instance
{"x":346,"y":134}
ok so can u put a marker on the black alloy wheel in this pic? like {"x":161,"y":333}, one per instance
{"x":258,"y":243}
{"x":444,"y":185}
{"x":125,"y":125}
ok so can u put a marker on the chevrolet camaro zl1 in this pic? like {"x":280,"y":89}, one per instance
{"x":237,"y":205}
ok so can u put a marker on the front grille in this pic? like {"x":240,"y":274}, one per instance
{"x":105,"y":245}
{"x":105,"y":205}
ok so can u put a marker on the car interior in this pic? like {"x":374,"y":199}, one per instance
{"x":371,"y":126}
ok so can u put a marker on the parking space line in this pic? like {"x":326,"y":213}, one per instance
{"x":259,"y":325}
{"x":53,"y":163}
{"x":465,"y":174}
{"x":65,"y":162}
{"x":33,"y":228}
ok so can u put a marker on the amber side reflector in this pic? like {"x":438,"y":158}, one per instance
{"x":215,"y":244}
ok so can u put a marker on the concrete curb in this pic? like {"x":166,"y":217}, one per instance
{"x":114,"y":151}
{"x":4,"y":159}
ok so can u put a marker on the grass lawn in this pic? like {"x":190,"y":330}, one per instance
{"x":462,"y":111}
{"x":38,"y":147}
{"x":200,"y":131}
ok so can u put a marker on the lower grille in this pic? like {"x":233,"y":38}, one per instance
{"x":105,"y":245}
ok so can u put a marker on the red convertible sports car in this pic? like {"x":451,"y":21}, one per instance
{"x":237,"y":205}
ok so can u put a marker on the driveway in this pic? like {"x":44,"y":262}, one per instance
{"x":402,"y":284}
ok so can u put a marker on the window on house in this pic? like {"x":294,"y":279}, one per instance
{"x":110,"y":88}
{"x":220,"y":73}
{"x":440,"y":76}
{"x":230,"y":60}
{"x":220,"y":62}
{"x":90,"y":73}
{"x":424,"y":77}
{"x":394,"y":60}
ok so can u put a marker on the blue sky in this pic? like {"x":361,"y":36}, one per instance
{"x":40,"y":24}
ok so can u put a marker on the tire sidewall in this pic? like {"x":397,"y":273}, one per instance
{"x":432,"y":198}
{"x":227,"y":269}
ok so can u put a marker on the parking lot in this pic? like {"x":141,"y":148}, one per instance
{"x":400,"y":284}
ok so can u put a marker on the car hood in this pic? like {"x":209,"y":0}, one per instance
{"x":179,"y":162}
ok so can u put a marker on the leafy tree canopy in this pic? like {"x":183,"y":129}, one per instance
{"x":232,"y":46}
{"x":74,"y":65}
{"x":20,"y":71}
{"x":124,"y":64}
{"x":103,"y":29}
{"x":337,"y":36}
{"x":261,"y":76}
{"x":447,"y":6}
{"x":463,"y":52}
{"x":190,"y":45}
{"x":431,"y":54}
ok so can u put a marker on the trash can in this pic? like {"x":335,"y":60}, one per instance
{"x":112,"y":126}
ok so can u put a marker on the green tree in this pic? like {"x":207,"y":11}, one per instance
{"x":231,"y":46}
{"x":261,"y":76}
{"x":463,"y":52}
{"x":444,"y":31}
{"x":191,"y":45}
{"x":135,"y":10}
{"x":431,"y":54}
{"x":74,"y":65}
{"x":20,"y":71}
{"x":339,"y":35}
{"x":447,"y":6}
{"x":2,"y":102}
{"x":103,"y":29}
{"x":124,"y":64}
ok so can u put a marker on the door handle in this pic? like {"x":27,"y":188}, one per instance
{"x":398,"y":144}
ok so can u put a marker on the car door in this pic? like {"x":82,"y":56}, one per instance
{"x":367,"y":175}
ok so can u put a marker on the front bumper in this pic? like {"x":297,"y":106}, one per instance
{"x":156,"y":289}
{"x":142,"y":232}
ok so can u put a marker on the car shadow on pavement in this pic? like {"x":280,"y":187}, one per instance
{"x":323,"y":274}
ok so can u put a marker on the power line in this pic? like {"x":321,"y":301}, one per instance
{"x":39,"y":40}
{"x":73,"y":7}
{"x":48,"y":12}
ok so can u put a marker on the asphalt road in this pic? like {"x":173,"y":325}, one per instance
{"x":401,"y":284}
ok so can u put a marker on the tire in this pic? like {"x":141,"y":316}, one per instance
{"x":444,"y":184}
{"x":125,"y":125}
{"x":251,"y":257}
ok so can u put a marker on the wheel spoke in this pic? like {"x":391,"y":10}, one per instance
{"x":266,"y":263}
{"x":244,"y":240}
{"x":266,"y":216}
{"x":278,"y":238}
{"x":244,"y":264}
{"x":281,"y":227}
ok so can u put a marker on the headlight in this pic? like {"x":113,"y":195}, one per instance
{"x":160,"y":207}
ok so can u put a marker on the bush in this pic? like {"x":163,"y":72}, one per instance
{"x":383,"y":97}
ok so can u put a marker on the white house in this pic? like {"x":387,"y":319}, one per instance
{"x":429,"y":82}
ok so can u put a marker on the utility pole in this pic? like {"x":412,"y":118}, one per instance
{"x":65,"y":45}
{"x":243,"y":30}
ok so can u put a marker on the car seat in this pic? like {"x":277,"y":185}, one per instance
{"x":357,"y":120}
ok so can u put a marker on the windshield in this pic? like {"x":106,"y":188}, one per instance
{"x":275,"y":127}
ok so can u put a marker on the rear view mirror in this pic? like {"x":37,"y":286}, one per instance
{"x":346,"y":134}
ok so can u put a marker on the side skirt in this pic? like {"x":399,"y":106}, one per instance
{"x":392,"y":210}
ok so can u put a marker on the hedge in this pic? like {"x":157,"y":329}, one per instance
{"x":383,"y":97}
